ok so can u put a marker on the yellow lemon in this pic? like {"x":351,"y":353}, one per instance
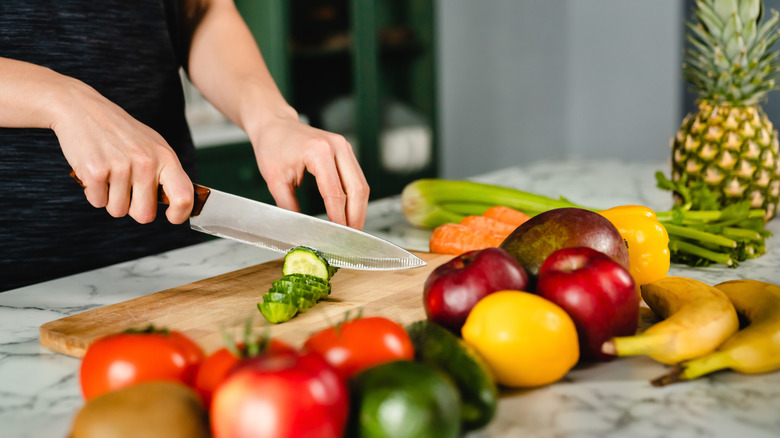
{"x":527,"y":340}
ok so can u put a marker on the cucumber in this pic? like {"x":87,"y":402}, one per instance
{"x":303,"y":304}
{"x":277,"y":312}
{"x":305,"y":260}
{"x":436,"y":346}
{"x":287,"y":282}
{"x":305,"y":280}
{"x":297,"y":292}
{"x":310,"y":280}
{"x":296,"y":299}
{"x":276,"y":297}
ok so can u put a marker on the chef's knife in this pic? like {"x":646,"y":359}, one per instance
{"x":267,"y":226}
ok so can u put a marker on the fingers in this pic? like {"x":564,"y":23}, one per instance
{"x":329,"y":184}
{"x":118,"y":192}
{"x":143,"y":192}
{"x":283,"y":192}
{"x":178,"y":188}
{"x":355,"y":187}
{"x":285,"y":151}
{"x":95,"y":187}
{"x":341,"y":182}
{"x":131,"y":189}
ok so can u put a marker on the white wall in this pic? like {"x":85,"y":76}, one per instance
{"x":531,"y":80}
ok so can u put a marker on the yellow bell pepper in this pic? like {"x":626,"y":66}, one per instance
{"x":647,"y":240}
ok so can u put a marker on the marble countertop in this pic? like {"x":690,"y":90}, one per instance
{"x":39,"y":391}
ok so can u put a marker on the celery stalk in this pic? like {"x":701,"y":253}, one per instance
{"x":425,"y":201}
{"x":692,"y":233}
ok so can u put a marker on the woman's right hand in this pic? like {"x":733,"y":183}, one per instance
{"x":118,"y":159}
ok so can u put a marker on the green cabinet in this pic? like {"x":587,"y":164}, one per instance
{"x":357,"y":62}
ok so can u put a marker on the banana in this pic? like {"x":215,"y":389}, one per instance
{"x":752,"y":350}
{"x":697,"y":318}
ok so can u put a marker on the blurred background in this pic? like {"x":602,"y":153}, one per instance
{"x":455,"y":88}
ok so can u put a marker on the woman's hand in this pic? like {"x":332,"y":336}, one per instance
{"x":118,"y":159}
{"x":286,"y":148}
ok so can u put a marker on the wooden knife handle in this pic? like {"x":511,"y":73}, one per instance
{"x":201,"y":194}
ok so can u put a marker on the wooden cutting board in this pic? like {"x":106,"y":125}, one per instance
{"x":203,"y":308}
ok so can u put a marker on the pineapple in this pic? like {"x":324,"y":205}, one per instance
{"x":730,"y":144}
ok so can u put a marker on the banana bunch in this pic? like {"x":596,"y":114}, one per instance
{"x":697,"y":318}
{"x":752,"y":350}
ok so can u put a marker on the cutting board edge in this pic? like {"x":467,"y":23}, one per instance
{"x":54,"y":335}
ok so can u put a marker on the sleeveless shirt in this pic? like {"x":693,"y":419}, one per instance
{"x":129,"y":51}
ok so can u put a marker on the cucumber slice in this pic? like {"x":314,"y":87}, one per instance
{"x":297,"y":290}
{"x":307,"y":279}
{"x":305,"y":260}
{"x":436,"y":346}
{"x":277,"y":312}
{"x":303,"y":304}
{"x":323,"y":286}
{"x":317,"y":288}
{"x":276,"y":297}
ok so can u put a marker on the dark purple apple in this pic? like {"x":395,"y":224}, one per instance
{"x":453,"y":288}
{"x":596,"y":291}
{"x":532,"y":242}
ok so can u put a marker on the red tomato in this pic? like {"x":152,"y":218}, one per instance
{"x":361,"y":343}
{"x":279,"y":396}
{"x":122,"y":359}
{"x":218,"y":365}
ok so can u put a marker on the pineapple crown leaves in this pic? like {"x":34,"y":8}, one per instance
{"x":730,"y":57}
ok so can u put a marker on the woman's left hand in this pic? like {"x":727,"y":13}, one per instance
{"x":286,"y":148}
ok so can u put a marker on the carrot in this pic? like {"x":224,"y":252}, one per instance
{"x":488,"y":224}
{"x":456,"y":239}
{"x":507,"y":215}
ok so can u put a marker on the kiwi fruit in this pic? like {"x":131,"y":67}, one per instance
{"x":148,"y":410}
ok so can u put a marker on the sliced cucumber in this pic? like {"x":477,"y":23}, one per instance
{"x":276,"y":297}
{"x":305,"y":260}
{"x":305,"y":280}
{"x":303,"y":304}
{"x":438,"y":347}
{"x":277,"y":312}
{"x":313,"y":292}
{"x":310,"y":280}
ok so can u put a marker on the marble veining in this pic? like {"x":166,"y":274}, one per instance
{"x":39,"y":391}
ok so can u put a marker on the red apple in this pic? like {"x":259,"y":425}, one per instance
{"x":281,"y":395}
{"x":453,"y":288}
{"x":596,"y":291}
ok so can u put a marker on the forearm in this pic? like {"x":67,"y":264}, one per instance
{"x":226,"y":66}
{"x":30,"y":95}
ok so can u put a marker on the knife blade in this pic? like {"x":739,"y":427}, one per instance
{"x":268,"y":226}
{"x":271,"y":227}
